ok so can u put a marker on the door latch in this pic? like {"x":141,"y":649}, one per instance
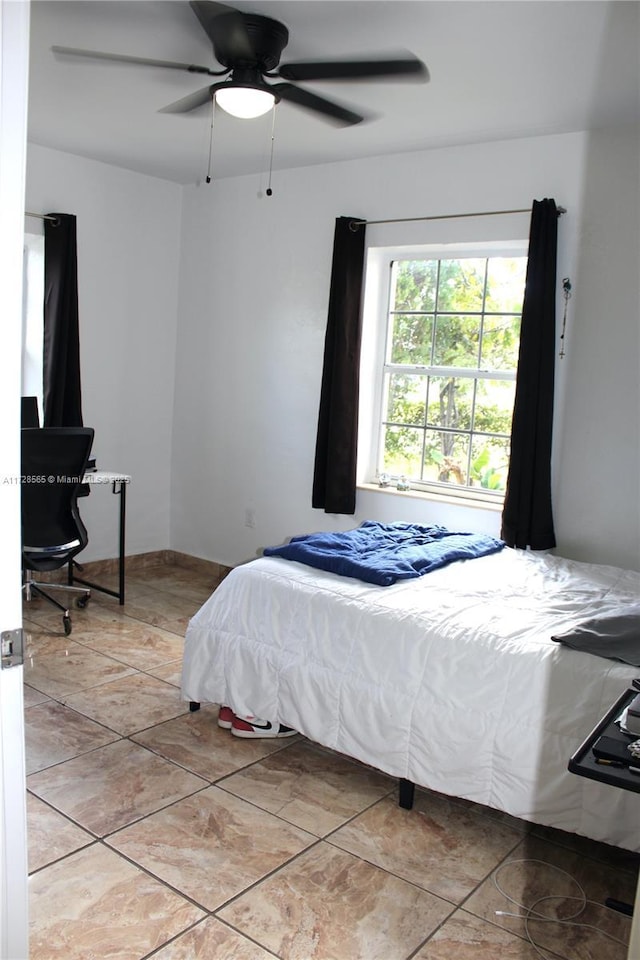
{"x":12,"y":648}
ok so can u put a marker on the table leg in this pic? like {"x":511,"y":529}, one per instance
{"x":119,"y":487}
{"x":123,"y":513}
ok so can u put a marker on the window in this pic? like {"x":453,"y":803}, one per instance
{"x":446,"y":371}
{"x":33,"y":317}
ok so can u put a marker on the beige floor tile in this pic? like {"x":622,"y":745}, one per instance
{"x":31,"y":697}
{"x":316,"y":790}
{"x":538,"y":869}
{"x":39,"y":640}
{"x":210,"y":940}
{"x":94,"y":904}
{"x":50,"y":836}
{"x":131,"y":704}
{"x":159,"y":579}
{"x":519,"y":826}
{"x":110,"y":581}
{"x":439,"y":845}
{"x":196,"y":742}
{"x":179,"y":627}
{"x":169,"y":672}
{"x":329,"y":905}
{"x":45,"y":615}
{"x":161,"y":608}
{"x":594,"y":850}
{"x":107,"y":611}
{"x":137,"y":644}
{"x":113,"y":786}
{"x":464,"y":937}
{"x":178,"y":582}
{"x":54,"y":733}
{"x":211,"y":846}
{"x":61,"y":674}
{"x":377,"y":887}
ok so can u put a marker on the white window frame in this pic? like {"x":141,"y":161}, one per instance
{"x":33,"y":318}
{"x":373,"y":354}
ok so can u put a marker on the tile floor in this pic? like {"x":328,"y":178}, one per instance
{"x":152,"y":832}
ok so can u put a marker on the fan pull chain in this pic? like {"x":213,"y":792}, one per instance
{"x":213,"y":113}
{"x":269,"y":191}
{"x":566,"y":292}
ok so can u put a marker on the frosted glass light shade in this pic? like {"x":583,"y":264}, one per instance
{"x":244,"y":102}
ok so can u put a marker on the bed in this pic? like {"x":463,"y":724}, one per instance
{"x":449,"y":681}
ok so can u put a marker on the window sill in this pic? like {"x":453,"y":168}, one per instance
{"x":455,"y":500}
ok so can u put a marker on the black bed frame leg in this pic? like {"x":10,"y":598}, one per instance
{"x":406,"y":790}
{"x":193,"y":706}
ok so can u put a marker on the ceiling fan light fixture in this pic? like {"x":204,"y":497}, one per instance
{"x":244,"y":102}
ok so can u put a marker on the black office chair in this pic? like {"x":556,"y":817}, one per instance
{"x":54,"y":461}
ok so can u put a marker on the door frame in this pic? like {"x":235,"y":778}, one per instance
{"x":14,"y":73}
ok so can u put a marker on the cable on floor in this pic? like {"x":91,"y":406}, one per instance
{"x":531,"y":914}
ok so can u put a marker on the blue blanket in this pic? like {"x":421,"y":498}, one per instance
{"x":382,"y":553}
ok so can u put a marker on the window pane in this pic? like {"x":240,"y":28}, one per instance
{"x":406,"y":398}
{"x":461,"y":285}
{"x":416,"y":285}
{"x":411,"y":338}
{"x":505,"y":284}
{"x":445,"y":457}
{"x":33,"y":317}
{"x":494,"y":406}
{"x":450,"y":402}
{"x":462,"y":313}
{"x":489,"y":463}
{"x":457,"y":341}
{"x":402,"y":451}
{"x":500,"y":341}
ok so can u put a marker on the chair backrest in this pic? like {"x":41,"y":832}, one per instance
{"x":54,"y":460}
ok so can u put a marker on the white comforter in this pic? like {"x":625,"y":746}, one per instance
{"x":450,"y":681}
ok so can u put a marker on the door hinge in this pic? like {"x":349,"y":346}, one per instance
{"x":12,"y":648}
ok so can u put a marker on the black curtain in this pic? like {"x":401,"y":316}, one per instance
{"x":527,"y":517}
{"x":61,"y":367}
{"x":334,"y":480}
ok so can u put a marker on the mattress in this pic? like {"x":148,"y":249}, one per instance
{"x":451,"y":681}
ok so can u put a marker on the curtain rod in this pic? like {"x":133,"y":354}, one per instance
{"x":41,"y":216}
{"x":447,"y":216}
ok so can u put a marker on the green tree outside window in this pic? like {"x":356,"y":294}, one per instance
{"x":452,"y":353}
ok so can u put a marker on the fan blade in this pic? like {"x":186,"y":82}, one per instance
{"x":232,"y":27}
{"x":142,"y":61}
{"x":193,"y":100}
{"x":355,"y":69}
{"x":327,"y":108}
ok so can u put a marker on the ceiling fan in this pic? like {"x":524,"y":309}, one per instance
{"x":248,"y":46}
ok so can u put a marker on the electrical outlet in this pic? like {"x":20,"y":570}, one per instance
{"x":249,"y":517}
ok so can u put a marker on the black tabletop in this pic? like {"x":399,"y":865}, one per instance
{"x":585,"y":764}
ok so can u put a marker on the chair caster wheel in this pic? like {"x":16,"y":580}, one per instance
{"x":81,"y":602}
{"x":66,"y":622}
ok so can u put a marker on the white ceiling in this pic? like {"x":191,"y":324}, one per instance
{"x":499,"y":70}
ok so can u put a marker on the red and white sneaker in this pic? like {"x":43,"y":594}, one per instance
{"x":225,"y":718}
{"x":256,"y":728}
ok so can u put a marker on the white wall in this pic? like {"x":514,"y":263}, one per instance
{"x":128,"y":247}
{"x":254,"y":281}
{"x":243,"y":341}
{"x":598,"y":464}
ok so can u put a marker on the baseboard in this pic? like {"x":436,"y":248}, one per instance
{"x":207,"y":567}
{"x":139,"y":562}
